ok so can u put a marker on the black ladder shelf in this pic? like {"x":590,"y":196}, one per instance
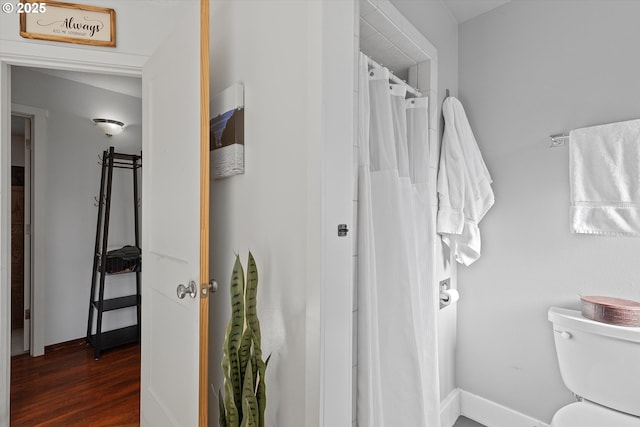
{"x":113,"y":262}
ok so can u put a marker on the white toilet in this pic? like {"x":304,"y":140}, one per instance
{"x":600,"y":363}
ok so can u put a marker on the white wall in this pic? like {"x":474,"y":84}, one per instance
{"x":72,"y":180}
{"x":437,"y":24}
{"x":141,"y":26}
{"x":528,"y":70}
{"x":273,"y":208}
{"x":17,"y":150}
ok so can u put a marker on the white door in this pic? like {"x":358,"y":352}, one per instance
{"x":171,"y":212}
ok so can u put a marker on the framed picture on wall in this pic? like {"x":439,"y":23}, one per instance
{"x":227,"y":132}
{"x":67,"y":22}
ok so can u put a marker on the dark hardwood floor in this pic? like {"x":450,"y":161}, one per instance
{"x":67,"y":387}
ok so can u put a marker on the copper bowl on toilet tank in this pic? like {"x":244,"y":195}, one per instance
{"x":615,"y":311}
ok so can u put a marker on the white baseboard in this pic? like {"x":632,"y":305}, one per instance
{"x":450,"y":409}
{"x":492,"y":414}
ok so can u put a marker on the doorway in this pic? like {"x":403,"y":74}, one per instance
{"x":20,"y":233}
{"x":66,"y":179}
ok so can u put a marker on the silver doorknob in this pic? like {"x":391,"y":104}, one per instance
{"x":210,"y":287}
{"x":191,"y":289}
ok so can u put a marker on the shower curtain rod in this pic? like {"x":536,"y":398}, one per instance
{"x":395,"y":78}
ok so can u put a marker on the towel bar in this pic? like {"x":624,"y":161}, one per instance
{"x":558,"y":140}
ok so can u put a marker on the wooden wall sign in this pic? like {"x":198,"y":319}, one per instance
{"x":68,"y":22}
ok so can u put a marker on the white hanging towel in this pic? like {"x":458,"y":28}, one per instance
{"x":604,"y":168}
{"x":464,"y":185}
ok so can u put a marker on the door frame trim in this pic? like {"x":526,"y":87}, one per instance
{"x":38,"y":190}
{"x":205,"y":206}
{"x":336,"y":311}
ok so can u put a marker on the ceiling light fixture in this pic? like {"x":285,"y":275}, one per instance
{"x":108,"y":126}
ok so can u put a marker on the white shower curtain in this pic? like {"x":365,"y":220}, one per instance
{"x":397,"y":304}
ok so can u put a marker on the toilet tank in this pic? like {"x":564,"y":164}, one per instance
{"x":598,"y":361}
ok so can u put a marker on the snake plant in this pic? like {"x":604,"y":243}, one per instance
{"x":244,"y":399}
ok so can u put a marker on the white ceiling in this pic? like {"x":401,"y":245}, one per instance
{"x":463,"y":10}
{"x":131,"y":86}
